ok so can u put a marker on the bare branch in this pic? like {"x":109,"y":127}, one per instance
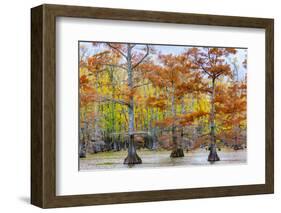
{"x":140,"y":85}
{"x":141,"y":60}
{"x":112,"y":65}
{"x":119,"y":101}
{"x":118,"y":50}
{"x":219,"y":73}
{"x":105,"y":98}
{"x":204,"y":69}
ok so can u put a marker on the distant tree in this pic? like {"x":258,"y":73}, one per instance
{"x":231,"y":110}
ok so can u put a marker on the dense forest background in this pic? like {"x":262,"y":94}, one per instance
{"x":161,"y":97}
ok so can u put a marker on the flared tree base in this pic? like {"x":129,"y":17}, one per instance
{"x":82,"y":155}
{"x":132,"y":159}
{"x":213,"y":156}
{"x":177,"y":153}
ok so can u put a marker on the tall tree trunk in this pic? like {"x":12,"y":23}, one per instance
{"x":115,"y":145}
{"x":97,"y":133}
{"x":154,"y":129}
{"x":213,"y":155}
{"x":150,"y":128}
{"x":177,"y":150}
{"x":84,"y":142}
{"x":132,"y":157}
{"x":182,"y":128}
{"x":113,"y":115}
{"x":153,"y":133}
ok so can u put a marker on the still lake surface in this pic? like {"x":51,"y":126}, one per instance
{"x":154,"y":159}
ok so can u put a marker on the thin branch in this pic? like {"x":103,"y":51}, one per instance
{"x":140,"y":85}
{"x":141,"y":60}
{"x":97,"y":72}
{"x":119,"y":101}
{"x":209,"y":57}
{"x":203,"y":68}
{"x":219,"y":73}
{"x":105,"y":98}
{"x":112,"y":65}
{"x":118,"y":50}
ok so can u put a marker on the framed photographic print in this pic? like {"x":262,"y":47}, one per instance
{"x":136,"y":106}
